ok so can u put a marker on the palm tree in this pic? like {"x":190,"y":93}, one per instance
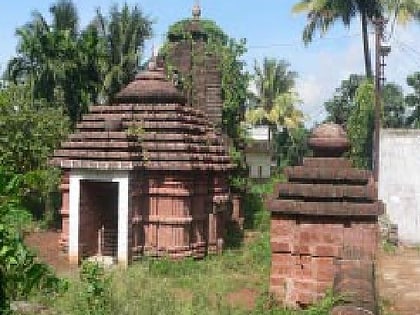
{"x":271,"y":79}
{"x":123,"y":33}
{"x":276,"y":102}
{"x":65,"y":17}
{"x":321,"y":15}
{"x":403,"y":10}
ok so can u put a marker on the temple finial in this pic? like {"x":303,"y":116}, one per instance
{"x":196,"y":10}
{"x":152,"y":65}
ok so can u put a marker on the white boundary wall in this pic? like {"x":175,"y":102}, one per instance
{"x":399,"y":181}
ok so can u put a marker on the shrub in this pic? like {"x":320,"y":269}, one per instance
{"x":94,"y":296}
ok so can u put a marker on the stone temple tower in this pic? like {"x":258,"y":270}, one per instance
{"x":198,"y":67}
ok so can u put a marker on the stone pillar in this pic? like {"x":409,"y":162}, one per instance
{"x":323,"y":218}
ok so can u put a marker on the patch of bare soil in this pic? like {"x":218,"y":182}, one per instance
{"x":244,"y":298}
{"x":398,"y":278}
{"x":45,"y":245}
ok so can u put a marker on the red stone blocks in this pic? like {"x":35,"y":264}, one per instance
{"x":325,"y":215}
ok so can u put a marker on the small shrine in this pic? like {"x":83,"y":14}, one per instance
{"x":324,"y":227}
{"x":145,"y":175}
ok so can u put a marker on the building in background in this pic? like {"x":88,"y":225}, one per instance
{"x":259,"y":153}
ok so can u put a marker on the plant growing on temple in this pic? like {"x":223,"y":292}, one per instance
{"x":235,"y":78}
{"x":360,"y":126}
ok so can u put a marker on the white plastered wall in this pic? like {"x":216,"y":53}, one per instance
{"x":399,"y":181}
{"x":257,"y":160}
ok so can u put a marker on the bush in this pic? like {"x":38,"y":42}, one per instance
{"x":94,"y":296}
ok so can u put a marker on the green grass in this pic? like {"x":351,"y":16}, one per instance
{"x":188,"y":286}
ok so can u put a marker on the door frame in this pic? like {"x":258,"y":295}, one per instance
{"x":124,"y":210}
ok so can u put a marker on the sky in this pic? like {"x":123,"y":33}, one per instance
{"x":269,"y":27}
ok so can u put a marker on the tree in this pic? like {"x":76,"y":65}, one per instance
{"x":322,"y":14}
{"x":393,"y":106}
{"x":77,"y":68}
{"x":28,"y":135}
{"x":123,"y":33}
{"x":360,"y":126}
{"x":272,"y":78}
{"x":339,"y":107}
{"x":343,"y":102}
{"x":403,"y":10}
{"x":29,"y":132}
{"x":413,"y":100}
{"x":275,"y":106}
{"x":275,"y":100}
{"x":65,"y":17}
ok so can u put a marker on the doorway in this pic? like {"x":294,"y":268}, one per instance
{"x":98,"y":227}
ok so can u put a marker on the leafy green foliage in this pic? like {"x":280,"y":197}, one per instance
{"x":95,"y":291}
{"x":393,"y":106}
{"x":122,"y":33}
{"x":76,"y":68}
{"x":340,"y":106}
{"x":28,"y":133}
{"x":291,"y":146}
{"x":276,"y":106}
{"x":360,"y":126}
{"x":234,"y":77}
{"x":413,"y":100}
{"x":21,"y":274}
{"x":272,"y":78}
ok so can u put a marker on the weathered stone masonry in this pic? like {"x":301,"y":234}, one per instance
{"x":324,"y":229}
{"x":166,"y":166}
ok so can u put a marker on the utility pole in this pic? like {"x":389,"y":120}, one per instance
{"x":380,"y":53}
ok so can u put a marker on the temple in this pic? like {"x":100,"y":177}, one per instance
{"x":148,"y":174}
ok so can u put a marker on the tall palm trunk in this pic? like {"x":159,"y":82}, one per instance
{"x":366,"y":51}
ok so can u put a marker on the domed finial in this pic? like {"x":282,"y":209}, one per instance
{"x":329,"y":140}
{"x":196,"y":10}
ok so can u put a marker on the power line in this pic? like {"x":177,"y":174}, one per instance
{"x":289,"y":44}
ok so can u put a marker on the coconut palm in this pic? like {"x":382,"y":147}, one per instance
{"x":322,"y":14}
{"x":402,"y":11}
{"x":124,"y":32}
{"x":272,"y":78}
{"x":276,"y":102}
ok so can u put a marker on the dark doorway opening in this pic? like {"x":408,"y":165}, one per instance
{"x":98,"y":218}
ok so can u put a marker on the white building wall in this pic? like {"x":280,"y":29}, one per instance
{"x":259,"y":163}
{"x":399,"y":180}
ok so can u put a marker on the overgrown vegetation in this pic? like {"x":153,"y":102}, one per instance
{"x":20,"y":273}
{"x":233,"y":283}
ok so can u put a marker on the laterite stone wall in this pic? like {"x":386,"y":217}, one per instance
{"x":324,"y":228}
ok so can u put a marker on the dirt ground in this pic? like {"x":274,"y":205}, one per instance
{"x":45,"y":245}
{"x":398,"y":279}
